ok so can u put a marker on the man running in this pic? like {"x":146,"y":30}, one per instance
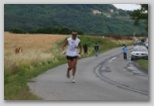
{"x":72,"y":54}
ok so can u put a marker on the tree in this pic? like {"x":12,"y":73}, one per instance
{"x":38,"y":17}
{"x":17,"y":30}
{"x":140,"y":14}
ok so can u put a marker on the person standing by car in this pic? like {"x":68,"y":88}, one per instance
{"x":137,"y":41}
{"x":124,"y":50}
{"x":72,"y":54}
{"x":146,"y":43}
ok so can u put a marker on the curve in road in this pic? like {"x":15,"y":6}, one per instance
{"x":107,"y":77}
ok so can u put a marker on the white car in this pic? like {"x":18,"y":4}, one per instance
{"x":139,"y":51}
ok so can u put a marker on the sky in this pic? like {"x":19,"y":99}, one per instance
{"x":127,"y":6}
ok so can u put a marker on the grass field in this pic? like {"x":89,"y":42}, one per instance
{"x":20,"y":68}
{"x":30,"y":42}
{"x":40,"y":53}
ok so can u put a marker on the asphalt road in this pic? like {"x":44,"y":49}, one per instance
{"x":107,"y":77}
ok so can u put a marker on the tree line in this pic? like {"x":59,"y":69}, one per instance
{"x":47,"y":30}
{"x":31,"y":18}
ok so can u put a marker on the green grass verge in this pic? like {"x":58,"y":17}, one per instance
{"x":17,"y":75}
{"x":143,"y":63}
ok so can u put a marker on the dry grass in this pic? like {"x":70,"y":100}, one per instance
{"x":36,"y":48}
{"x":121,"y":41}
{"x":30,"y":42}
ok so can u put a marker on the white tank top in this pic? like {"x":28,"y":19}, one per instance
{"x":72,"y":47}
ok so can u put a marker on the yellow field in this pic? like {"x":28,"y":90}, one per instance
{"x":30,"y":42}
{"x":36,"y":48}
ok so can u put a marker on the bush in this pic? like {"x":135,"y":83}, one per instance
{"x":47,"y":30}
{"x":55,"y":30}
{"x":17,"y":30}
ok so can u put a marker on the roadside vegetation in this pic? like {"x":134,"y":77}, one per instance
{"x":143,"y":63}
{"x":20,"y":68}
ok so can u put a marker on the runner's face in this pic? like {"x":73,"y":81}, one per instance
{"x":74,"y":36}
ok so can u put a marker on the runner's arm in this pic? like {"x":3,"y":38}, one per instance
{"x":66,"y":43}
{"x":80,"y":47}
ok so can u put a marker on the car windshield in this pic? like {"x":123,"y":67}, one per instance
{"x":139,"y":48}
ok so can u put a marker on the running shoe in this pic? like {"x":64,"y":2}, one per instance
{"x":73,"y":80}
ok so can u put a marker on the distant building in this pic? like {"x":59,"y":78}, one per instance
{"x":96,"y":12}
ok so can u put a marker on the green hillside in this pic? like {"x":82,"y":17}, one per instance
{"x":80,"y":17}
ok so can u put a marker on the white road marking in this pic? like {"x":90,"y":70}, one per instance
{"x":103,"y":68}
{"x":112,"y":59}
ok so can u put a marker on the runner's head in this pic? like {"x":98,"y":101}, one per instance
{"x":74,"y":35}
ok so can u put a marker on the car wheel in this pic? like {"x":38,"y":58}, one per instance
{"x":132,"y":58}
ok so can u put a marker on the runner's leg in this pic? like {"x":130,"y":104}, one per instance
{"x":69,"y":68}
{"x":126,"y":55}
{"x":74,"y":69}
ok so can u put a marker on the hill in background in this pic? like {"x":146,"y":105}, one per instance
{"x":97,"y":19}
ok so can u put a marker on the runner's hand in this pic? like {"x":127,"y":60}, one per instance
{"x":79,"y":55}
{"x":63,"y":52}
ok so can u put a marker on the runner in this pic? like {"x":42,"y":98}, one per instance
{"x":72,"y":54}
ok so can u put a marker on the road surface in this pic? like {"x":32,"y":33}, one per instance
{"x":107,"y":77}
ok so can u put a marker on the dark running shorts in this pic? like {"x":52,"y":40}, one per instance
{"x":71,"y":58}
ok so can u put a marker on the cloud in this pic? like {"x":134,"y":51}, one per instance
{"x":127,"y":6}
